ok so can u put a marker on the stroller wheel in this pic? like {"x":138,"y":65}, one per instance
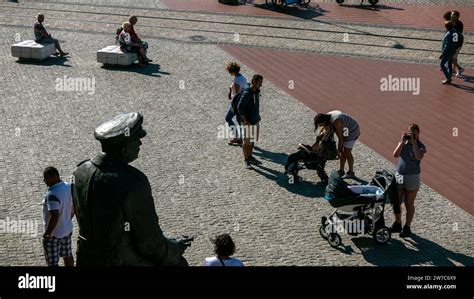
{"x":324,"y":232}
{"x":382,"y":234}
{"x":334,"y":240}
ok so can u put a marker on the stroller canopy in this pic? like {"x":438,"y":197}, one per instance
{"x":337,"y":188}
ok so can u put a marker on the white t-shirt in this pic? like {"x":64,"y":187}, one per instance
{"x":215,"y":262}
{"x":241,"y":81}
{"x":334,"y":115}
{"x":59,"y":198}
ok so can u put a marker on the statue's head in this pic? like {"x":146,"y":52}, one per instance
{"x":121,"y":136}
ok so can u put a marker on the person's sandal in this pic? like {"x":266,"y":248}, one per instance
{"x":235,"y":141}
{"x":64,"y":54}
{"x":350,"y":174}
{"x":396,"y":227}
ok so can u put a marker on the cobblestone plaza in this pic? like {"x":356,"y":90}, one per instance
{"x":199,"y":183}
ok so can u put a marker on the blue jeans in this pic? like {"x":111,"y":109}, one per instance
{"x":448,"y":71}
{"x":228,"y":118}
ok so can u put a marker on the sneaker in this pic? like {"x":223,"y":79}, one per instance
{"x":349,"y":175}
{"x":461,"y":69}
{"x":396,"y":227}
{"x":406,"y":232}
{"x":64,"y":54}
{"x":247,"y":164}
{"x":341,"y":173}
{"x":447,"y":82}
{"x":254,"y":161}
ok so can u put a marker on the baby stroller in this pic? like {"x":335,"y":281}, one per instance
{"x":359,"y":208}
{"x":312,"y":157}
{"x":305,"y":158}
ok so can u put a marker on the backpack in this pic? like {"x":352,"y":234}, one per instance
{"x":117,"y":34}
{"x":461,"y":40}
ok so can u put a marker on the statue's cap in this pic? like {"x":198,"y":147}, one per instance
{"x":120,"y":129}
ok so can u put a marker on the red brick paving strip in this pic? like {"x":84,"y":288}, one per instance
{"x":413,"y":16}
{"x":352,"y":85}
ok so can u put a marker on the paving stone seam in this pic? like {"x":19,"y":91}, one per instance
{"x":295,"y":19}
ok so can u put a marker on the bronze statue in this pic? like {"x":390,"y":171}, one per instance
{"x":118,"y":224}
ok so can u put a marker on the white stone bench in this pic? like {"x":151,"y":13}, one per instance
{"x":113,"y":55}
{"x":29,"y":49}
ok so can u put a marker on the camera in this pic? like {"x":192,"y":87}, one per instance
{"x":407,"y":136}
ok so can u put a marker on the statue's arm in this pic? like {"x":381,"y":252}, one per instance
{"x":145,"y":229}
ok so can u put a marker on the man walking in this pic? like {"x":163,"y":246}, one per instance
{"x":57,"y":219}
{"x":249,"y":110}
{"x":459,"y":27}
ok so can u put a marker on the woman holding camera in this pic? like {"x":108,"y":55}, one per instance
{"x":410,"y":151}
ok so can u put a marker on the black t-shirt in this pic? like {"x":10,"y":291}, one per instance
{"x":459,"y":26}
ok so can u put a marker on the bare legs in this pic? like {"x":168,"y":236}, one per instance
{"x":346,"y":156}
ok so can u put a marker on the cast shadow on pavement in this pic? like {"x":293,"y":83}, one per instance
{"x":418,"y":251}
{"x":371,"y":7}
{"x":306,"y":13}
{"x":466,"y":79}
{"x":153,"y":70}
{"x":60,"y":61}
{"x":305,"y":188}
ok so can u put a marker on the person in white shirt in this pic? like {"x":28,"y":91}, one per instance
{"x":224,"y":247}
{"x":58,"y":211}
{"x":239,"y":83}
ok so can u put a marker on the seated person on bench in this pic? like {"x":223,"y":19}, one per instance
{"x":43,"y":37}
{"x":129,"y":44}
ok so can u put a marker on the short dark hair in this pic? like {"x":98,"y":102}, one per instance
{"x":257,"y":77}
{"x":223,"y":245}
{"x":456,"y":13}
{"x":448,"y":25}
{"x":50,"y":172}
{"x":233,"y":67}
{"x":447,"y":16}
{"x":322,"y":118}
{"x":132,"y":18}
{"x":414,"y":127}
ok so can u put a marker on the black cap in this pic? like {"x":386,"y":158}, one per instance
{"x":120,"y":129}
